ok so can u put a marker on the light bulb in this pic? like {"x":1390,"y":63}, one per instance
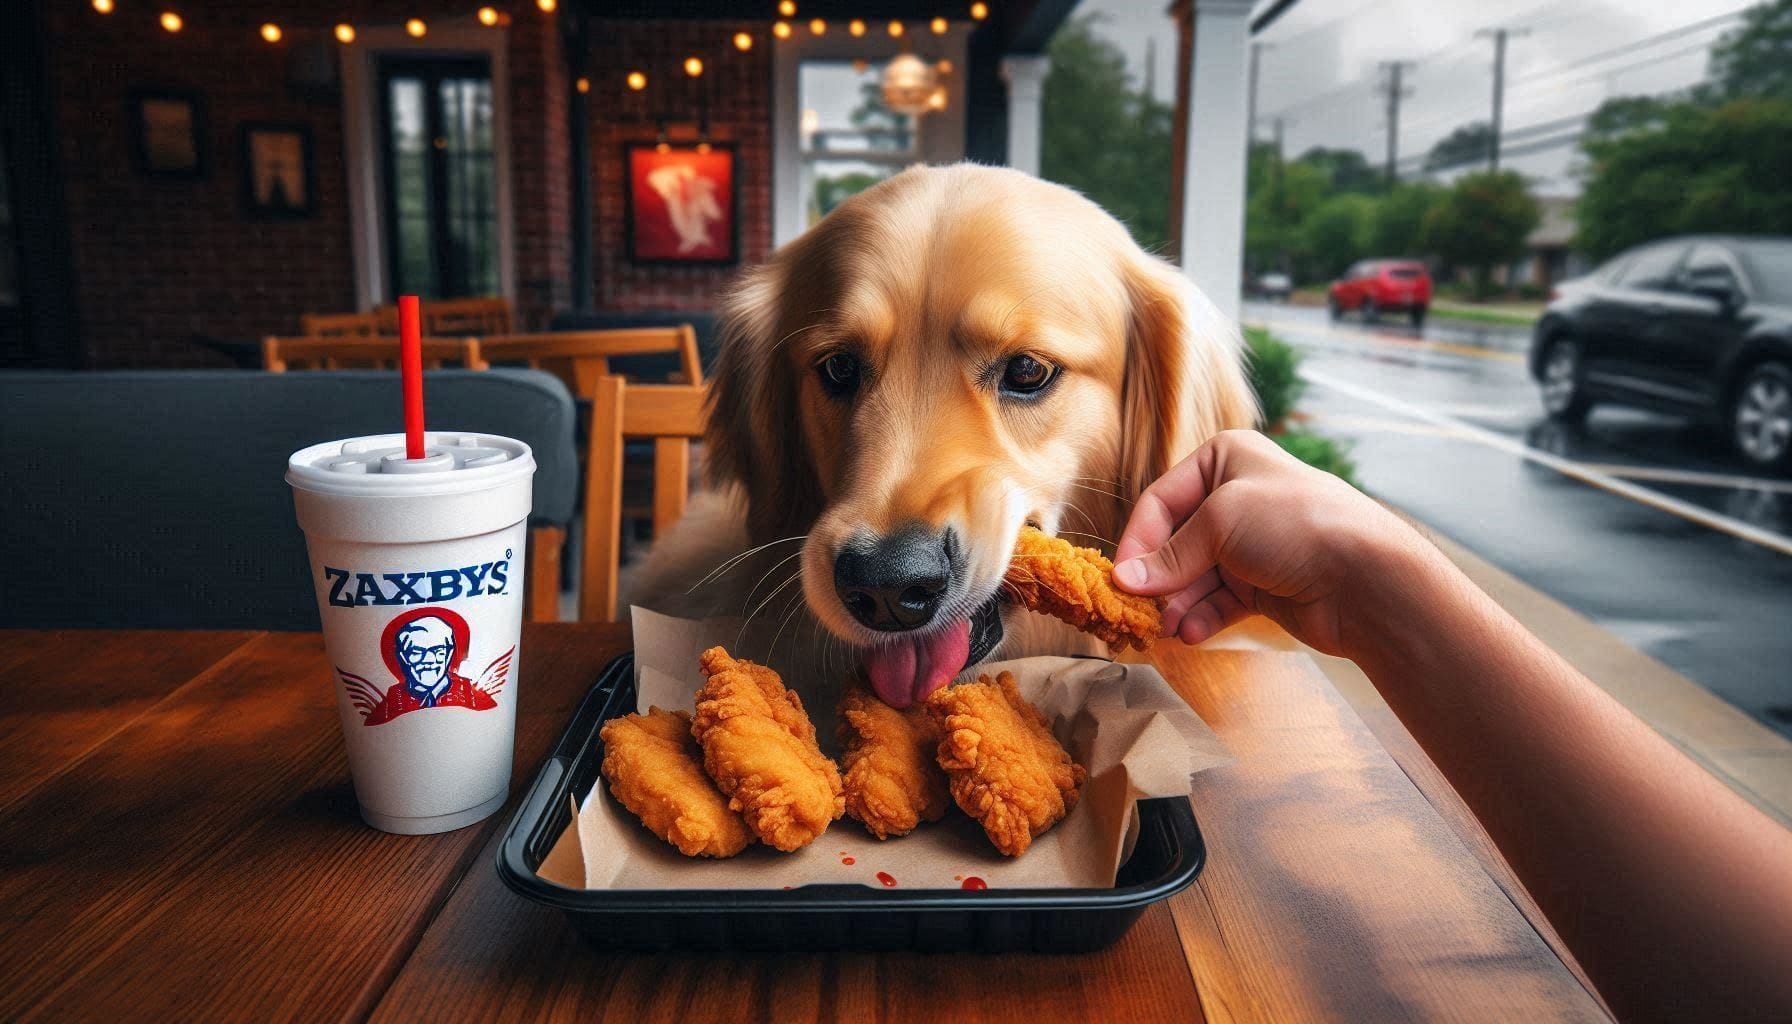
{"x":416,"y":28}
{"x":270,"y":32}
{"x":488,"y":16}
{"x":896,"y":29}
{"x":856,"y":26}
{"x":345,"y":33}
{"x":637,"y":81}
{"x":979,"y":11}
{"x":547,"y":6}
{"x":693,"y":66}
{"x":781,"y":30}
{"x":743,"y":41}
{"x":787,"y":8}
{"x":939,"y":26}
{"x":818,"y":27}
{"x":103,"y":6}
{"x":171,"y":21}
{"x":583,"y":84}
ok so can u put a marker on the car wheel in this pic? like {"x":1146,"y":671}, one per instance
{"x":1418,"y":317}
{"x":1564,"y":397}
{"x":1761,"y":416}
{"x":1371,"y":311}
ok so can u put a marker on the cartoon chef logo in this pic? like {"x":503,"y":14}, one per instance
{"x":423,"y":649}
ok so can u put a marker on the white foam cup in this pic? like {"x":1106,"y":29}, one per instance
{"x":418,"y":566}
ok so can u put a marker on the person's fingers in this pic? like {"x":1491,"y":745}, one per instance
{"x":1168,"y":502}
{"x":1180,"y":602}
{"x":1190,"y":551}
{"x":1220,"y":609}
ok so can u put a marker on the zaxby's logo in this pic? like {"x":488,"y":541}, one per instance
{"x":350,"y":589}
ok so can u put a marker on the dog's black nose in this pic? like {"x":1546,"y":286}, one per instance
{"x":895,"y":583}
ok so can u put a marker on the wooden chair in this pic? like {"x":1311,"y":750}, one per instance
{"x":671,"y":415}
{"x":340,"y":325}
{"x":281,"y":354}
{"x":457,"y":318}
{"x":581,"y":358}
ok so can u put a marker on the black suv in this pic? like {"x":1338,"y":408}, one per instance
{"x":1699,"y":325}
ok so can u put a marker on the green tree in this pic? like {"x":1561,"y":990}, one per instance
{"x":1347,"y":170}
{"x":1752,"y":59}
{"x":1338,"y":233}
{"x":833,"y":190}
{"x":1679,"y":168}
{"x":1481,"y":223}
{"x":1104,"y":137}
{"x":1399,"y":228}
{"x":1465,"y":146}
{"x":1274,"y":215}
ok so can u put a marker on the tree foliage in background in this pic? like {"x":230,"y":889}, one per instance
{"x":1755,"y":58}
{"x":1345,"y":170}
{"x":1399,"y":226}
{"x":1465,"y":146}
{"x":1339,"y":233}
{"x":1690,"y":169}
{"x":1482,"y":222}
{"x":1103,"y":136}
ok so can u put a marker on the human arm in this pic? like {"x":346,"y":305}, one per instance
{"x":1673,"y":892}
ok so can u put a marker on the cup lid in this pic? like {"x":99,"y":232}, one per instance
{"x":453,"y":461}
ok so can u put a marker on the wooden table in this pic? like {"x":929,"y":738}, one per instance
{"x":178,"y":841}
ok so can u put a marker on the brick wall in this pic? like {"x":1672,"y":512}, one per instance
{"x":158,"y":261}
{"x":739,"y":90}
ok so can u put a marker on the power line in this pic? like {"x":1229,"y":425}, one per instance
{"x":1395,"y":92}
{"x":1632,"y":47}
{"x":1500,"y":35}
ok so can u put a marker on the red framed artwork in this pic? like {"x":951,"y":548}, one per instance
{"x":683,"y":204}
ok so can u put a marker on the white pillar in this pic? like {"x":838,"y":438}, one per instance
{"x":1025,"y":76}
{"x":1214,"y":169}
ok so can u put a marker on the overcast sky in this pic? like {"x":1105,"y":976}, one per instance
{"x":1319,"y":68}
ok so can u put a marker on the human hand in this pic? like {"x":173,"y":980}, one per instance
{"x":1241,"y":526}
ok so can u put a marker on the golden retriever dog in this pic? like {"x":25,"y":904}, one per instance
{"x":948,"y":356}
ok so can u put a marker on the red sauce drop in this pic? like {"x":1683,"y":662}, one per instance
{"x":848,"y":860}
{"x":974,"y":882}
{"x":958,"y":878}
{"x":787,"y":887}
{"x":888,"y":879}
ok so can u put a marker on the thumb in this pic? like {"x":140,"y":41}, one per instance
{"x":1187,"y":555}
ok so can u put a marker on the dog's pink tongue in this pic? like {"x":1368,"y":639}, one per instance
{"x":908,"y":670}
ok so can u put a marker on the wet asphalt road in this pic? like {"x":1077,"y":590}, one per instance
{"x":1644,"y":523}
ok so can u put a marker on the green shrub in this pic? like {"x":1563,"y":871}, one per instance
{"x":1274,"y":368}
{"x":1318,"y":452}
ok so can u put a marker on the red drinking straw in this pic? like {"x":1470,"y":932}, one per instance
{"x":410,"y":370}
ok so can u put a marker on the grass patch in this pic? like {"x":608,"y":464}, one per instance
{"x":1521,"y":317}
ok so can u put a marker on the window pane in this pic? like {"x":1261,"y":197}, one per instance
{"x":472,"y":218}
{"x":1653,"y":268}
{"x":412,"y":239}
{"x":843,"y":110}
{"x":834,"y":180}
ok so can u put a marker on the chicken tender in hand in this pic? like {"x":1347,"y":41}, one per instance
{"x":893,"y":782}
{"x":656,"y":770}
{"x":1007,"y":770}
{"x":759,"y":747}
{"x":1075,"y":584}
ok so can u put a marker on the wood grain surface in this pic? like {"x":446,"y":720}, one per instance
{"x":186,"y":847}
{"x":1335,"y":891}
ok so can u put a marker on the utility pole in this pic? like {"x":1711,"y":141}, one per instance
{"x":1393,"y":86}
{"x":1250,"y":110}
{"x":1499,"y":37}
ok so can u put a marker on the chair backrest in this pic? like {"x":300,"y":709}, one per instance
{"x":671,"y":415}
{"x":281,"y":354}
{"x":454,"y":318}
{"x":580,"y":358}
{"x":340,"y":325}
{"x":157,"y":499}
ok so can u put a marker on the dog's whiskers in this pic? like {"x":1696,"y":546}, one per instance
{"x":737,"y":559}
{"x":767,"y":575}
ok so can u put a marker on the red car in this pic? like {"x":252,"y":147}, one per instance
{"x":1382,"y":286}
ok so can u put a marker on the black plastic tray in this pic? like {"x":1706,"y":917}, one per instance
{"x":1166,"y":859}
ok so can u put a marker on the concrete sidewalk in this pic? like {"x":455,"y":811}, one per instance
{"x":1750,"y":758}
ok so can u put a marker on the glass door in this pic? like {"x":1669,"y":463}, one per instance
{"x":440,"y":199}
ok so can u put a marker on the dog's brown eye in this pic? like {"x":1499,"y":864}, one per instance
{"x":840,"y":373}
{"x":1025,"y":375}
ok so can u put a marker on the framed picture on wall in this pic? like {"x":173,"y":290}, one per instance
{"x":683,"y":203}
{"x":167,"y":134}
{"x":279,"y":181}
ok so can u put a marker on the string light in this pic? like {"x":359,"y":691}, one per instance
{"x":979,"y":11}
{"x":781,"y":30}
{"x":818,"y":27}
{"x":787,"y":8}
{"x":345,"y":33}
{"x":939,"y":26}
{"x":703,"y":148}
{"x":270,"y":32}
{"x":743,"y":42}
{"x":944,"y":67}
{"x":693,"y":66}
{"x":488,"y":16}
{"x":637,"y":81}
{"x":860,"y":65}
{"x":896,"y":29}
{"x":663,"y":147}
{"x":103,"y":6}
{"x":583,"y":84}
{"x":547,"y":6}
{"x":171,"y":21}
{"x":416,"y":28}
{"x":856,"y":27}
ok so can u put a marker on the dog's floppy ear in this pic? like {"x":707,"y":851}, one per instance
{"x":753,"y":434}
{"x":1185,"y":378}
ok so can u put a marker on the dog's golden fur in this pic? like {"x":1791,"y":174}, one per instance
{"x":931,"y":279}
